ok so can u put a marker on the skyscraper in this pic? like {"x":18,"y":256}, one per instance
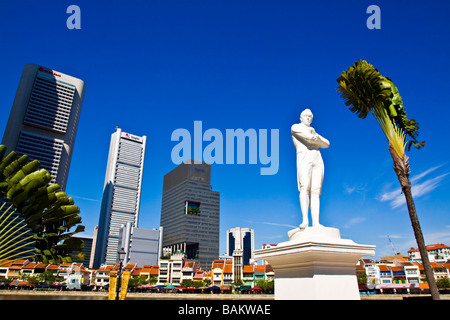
{"x":43,"y":124}
{"x":121,"y":193}
{"x":190,"y":213}
{"x":241,"y":239}
{"x":44,"y":119}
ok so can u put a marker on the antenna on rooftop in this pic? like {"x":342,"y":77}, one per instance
{"x":392,"y":245}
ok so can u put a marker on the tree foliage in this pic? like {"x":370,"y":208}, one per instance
{"x":47,"y":211}
{"x":366,"y":91}
{"x":265,"y":285}
{"x":443,"y":283}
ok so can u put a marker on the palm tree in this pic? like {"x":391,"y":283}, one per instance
{"x":44,"y":214}
{"x":15,"y":238}
{"x":366,"y":91}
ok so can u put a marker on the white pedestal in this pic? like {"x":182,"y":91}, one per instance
{"x":315,"y":264}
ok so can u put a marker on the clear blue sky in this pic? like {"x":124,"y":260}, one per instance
{"x":155,"y":66}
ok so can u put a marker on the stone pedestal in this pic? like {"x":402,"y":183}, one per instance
{"x":315,"y":264}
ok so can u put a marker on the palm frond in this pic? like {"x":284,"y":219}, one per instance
{"x":364,"y":89}
{"x":393,"y":133}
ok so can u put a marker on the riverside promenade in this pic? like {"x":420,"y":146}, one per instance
{"x":89,"y":295}
{"x":92,"y":295}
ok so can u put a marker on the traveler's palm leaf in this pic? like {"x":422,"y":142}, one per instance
{"x":45,"y":214}
{"x":366,"y":91}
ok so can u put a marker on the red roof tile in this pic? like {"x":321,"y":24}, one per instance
{"x":431,"y":247}
{"x":260,"y":269}
{"x":382,"y":267}
{"x":247,"y":269}
{"x":228,"y":268}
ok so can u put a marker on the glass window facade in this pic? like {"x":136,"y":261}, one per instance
{"x":190,"y":213}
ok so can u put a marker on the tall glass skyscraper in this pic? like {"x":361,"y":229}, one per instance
{"x":44,"y":119}
{"x":190,"y":213}
{"x":43,"y":124}
{"x":121,"y":193}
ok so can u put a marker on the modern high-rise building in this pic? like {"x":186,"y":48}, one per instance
{"x":141,"y":246}
{"x":121,"y":193}
{"x":44,"y":119}
{"x":190,"y":213}
{"x":242,"y":239}
{"x":86,"y":251}
{"x":43,"y":124}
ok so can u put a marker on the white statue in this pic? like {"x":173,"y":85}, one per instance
{"x":310,"y":168}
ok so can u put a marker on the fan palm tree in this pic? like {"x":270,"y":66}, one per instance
{"x":43,"y":215}
{"x":15,"y":238}
{"x":366,"y":91}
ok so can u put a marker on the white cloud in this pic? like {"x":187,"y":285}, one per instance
{"x":418,"y":189}
{"x":274,"y":224}
{"x":83,"y":198}
{"x":354,"y":221}
{"x":423,"y":174}
{"x":403,"y":244}
{"x":437,"y":237}
{"x":354,"y":189}
{"x":349,"y":190}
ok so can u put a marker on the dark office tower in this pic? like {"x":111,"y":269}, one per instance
{"x":190,"y":213}
{"x":86,"y":251}
{"x":44,"y":119}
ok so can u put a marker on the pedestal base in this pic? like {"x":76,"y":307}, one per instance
{"x":315,"y":264}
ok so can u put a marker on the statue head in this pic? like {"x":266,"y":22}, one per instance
{"x":306,"y":117}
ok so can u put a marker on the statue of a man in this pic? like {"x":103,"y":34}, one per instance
{"x":310,"y":167}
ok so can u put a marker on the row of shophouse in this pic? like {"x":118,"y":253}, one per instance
{"x":405,"y":273}
{"x":400,"y":273}
{"x":175,"y":270}
{"x":74,"y":275}
{"x":169,"y":272}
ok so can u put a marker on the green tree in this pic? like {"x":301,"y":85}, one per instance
{"x":191,"y":283}
{"x":49,"y":277}
{"x":366,"y":91}
{"x":34,"y":279}
{"x":187,"y":283}
{"x":238,"y":282}
{"x":265,"y":285}
{"x":443,"y":283}
{"x":207,"y":282}
{"x":4,"y":281}
{"x":137,"y":281}
{"x":152,"y":280}
{"x":362,"y":277}
{"x":45,"y":210}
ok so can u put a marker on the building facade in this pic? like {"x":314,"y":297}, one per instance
{"x":43,"y":124}
{"x":141,"y":246}
{"x":171,"y":270}
{"x":241,"y":239}
{"x":190,"y":213}
{"x":85,"y":256}
{"x":438,"y":252}
{"x":44,"y":119}
{"x":121,"y":193}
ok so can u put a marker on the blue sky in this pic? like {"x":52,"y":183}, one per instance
{"x":152,"y":67}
